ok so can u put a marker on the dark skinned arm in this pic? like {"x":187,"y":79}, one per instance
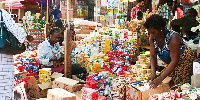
{"x":174,"y":46}
{"x":53,"y":59}
{"x":153,"y":58}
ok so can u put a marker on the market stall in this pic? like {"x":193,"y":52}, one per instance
{"x":105,"y":59}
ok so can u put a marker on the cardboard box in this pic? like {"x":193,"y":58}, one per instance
{"x":88,"y":27}
{"x":20,"y":75}
{"x":36,"y":90}
{"x":67,"y":84}
{"x":60,"y":94}
{"x":195,"y":80}
{"x":196,"y":67}
{"x":134,"y":94}
{"x":84,"y":31}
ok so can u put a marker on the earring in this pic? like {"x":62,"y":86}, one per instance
{"x":161,"y":30}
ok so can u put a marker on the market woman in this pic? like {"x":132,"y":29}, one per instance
{"x":170,"y":48}
{"x":56,"y":22}
{"x":49,"y":51}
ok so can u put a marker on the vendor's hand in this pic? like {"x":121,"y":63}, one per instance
{"x":53,"y":59}
{"x":61,"y":59}
{"x":156,"y":82}
{"x":151,"y":78}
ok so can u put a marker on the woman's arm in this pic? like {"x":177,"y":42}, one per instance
{"x":153,"y":57}
{"x":174,"y":46}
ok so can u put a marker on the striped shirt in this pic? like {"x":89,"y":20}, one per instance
{"x":134,"y":11}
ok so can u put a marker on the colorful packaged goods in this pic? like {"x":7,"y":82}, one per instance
{"x":45,"y":75}
{"x":89,"y":94}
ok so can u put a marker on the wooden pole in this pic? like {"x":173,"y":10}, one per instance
{"x":46,"y":29}
{"x":68,"y":48}
{"x":47,"y":13}
{"x":67,"y":55}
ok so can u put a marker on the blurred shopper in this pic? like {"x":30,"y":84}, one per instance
{"x":186,"y":22}
{"x":138,"y":7}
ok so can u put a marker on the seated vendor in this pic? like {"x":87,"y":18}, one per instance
{"x":49,"y":51}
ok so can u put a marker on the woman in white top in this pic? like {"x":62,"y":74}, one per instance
{"x":49,"y":51}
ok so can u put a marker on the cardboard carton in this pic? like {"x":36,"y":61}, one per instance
{"x":195,"y":80}
{"x":135,"y":94}
{"x":196,"y":66}
{"x":19,"y":74}
{"x":36,"y":90}
{"x":60,"y":94}
{"x":67,"y":84}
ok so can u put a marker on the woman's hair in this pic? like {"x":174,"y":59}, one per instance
{"x":55,"y":13}
{"x":156,"y":22}
{"x":53,"y":31}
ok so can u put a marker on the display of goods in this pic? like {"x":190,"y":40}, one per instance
{"x":119,"y":45}
{"x":107,"y":85}
{"x":185,"y":93}
{"x":31,"y":21}
{"x":45,"y":75}
{"x":27,"y":61}
{"x":89,"y":94}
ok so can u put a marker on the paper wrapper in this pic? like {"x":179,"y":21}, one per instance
{"x":89,"y":94}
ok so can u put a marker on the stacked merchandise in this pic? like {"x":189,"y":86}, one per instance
{"x":106,"y":85}
{"x":82,"y":10}
{"x":45,"y":75}
{"x":115,"y":87}
{"x":141,"y":67}
{"x":107,"y":13}
{"x":27,"y":62}
{"x":89,"y":94}
{"x":31,"y":21}
{"x":28,"y":20}
{"x":84,"y":26}
{"x":120,"y":21}
{"x":26,"y":73}
{"x":185,"y":92}
{"x":119,"y":46}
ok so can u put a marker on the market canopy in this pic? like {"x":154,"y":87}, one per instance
{"x":13,"y":4}
{"x":31,"y":2}
{"x":16,"y":4}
